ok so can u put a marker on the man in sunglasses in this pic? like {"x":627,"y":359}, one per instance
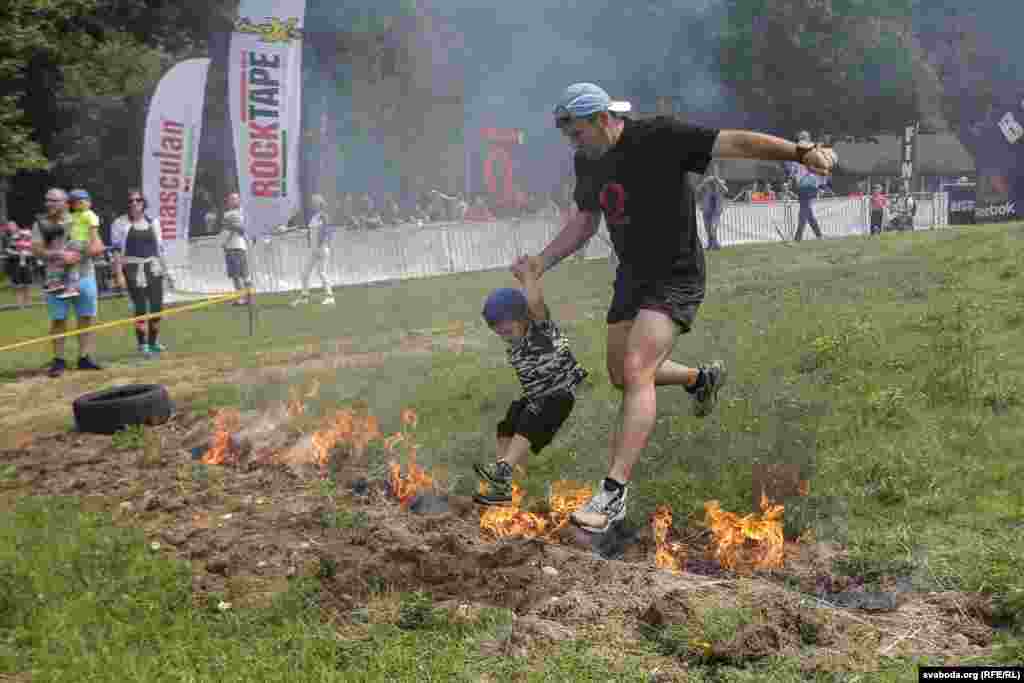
{"x":634,"y":174}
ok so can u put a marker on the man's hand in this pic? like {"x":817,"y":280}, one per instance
{"x":71,"y":257}
{"x":821,"y":160}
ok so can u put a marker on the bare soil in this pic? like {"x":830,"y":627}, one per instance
{"x":248,"y":528}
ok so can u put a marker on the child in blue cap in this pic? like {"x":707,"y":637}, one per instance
{"x":548,"y":372}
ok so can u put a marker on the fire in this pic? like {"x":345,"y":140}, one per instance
{"x":743,"y":542}
{"x":670,"y":556}
{"x":345,"y":427}
{"x":415,"y":480}
{"x":225,"y":423}
{"x":510,"y":521}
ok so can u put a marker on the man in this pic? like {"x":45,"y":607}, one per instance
{"x":236,"y":244}
{"x":54,"y":226}
{"x":712,"y":190}
{"x":807,"y":185}
{"x":320,"y":259}
{"x":634,"y":173}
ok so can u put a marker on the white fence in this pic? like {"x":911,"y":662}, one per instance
{"x":409,"y":251}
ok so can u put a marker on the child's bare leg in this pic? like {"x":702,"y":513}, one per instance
{"x":516,"y":451}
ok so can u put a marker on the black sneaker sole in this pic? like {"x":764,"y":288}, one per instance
{"x":492,"y":501}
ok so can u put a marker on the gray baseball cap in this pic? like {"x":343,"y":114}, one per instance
{"x":586,"y":99}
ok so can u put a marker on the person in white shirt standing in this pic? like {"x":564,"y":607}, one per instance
{"x":319,"y":260}
{"x":236,"y":245}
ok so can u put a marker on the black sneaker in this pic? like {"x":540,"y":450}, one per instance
{"x":705,"y":398}
{"x":499,"y":488}
{"x":87,"y":363}
{"x":57,"y":367}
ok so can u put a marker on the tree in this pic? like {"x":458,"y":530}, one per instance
{"x":840,"y":65}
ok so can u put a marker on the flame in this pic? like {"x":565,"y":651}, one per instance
{"x":743,"y":542}
{"x":509,"y":521}
{"x":670,"y":556}
{"x":416,"y":479}
{"x":225,"y":423}
{"x":345,"y":427}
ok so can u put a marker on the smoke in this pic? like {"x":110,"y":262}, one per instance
{"x":510,"y":61}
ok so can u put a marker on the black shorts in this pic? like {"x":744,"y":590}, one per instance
{"x":538,"y":420}
{"x":237,"y":263}
{"x":18,"y":274}
{"x":678,"y":298}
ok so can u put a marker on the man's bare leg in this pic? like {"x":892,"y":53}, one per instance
{"x":86,"y":340}
{"x":649,"y":342}
{"x":670,"y":373}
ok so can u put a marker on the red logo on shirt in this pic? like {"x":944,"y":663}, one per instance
{"x":613,"y":202}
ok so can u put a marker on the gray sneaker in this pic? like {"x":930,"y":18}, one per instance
{"x":599,"y":513}
{"x":499,"y":488}
{"x":705,"y":398}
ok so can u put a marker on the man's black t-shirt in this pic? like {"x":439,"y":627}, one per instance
{"x":640,"y":185}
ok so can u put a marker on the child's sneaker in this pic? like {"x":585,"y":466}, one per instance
{"x":144,"y":349}
{"x":328,"y":301}
{"x":53,"y":287}
{"x":498,"y":477}
{"x":299,"y":301}
{"x":599,"y":513}
{"x":156,"y":348}
{"x":68,"y":293}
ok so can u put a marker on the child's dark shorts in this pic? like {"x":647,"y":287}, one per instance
{"x":537,"y":420}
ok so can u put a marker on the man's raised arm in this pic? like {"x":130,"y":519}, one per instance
{"x":745,"y":144}
{"x":580,"y":228}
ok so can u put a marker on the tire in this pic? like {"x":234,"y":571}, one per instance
{"x":109,"y":410}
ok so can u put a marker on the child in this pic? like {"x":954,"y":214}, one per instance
{"x":62,"y":279}
{"x":548,"y":372}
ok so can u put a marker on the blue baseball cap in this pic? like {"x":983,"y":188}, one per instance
{"x":504,"y":304}
{"x":78,"y":195}
{"x":586,"y":99}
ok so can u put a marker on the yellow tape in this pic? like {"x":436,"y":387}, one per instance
{"x":129,"y":321}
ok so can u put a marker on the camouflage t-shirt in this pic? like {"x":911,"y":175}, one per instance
{"x":544,"y":362}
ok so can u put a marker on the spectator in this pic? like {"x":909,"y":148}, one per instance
{"x":320,"y":258}
{"x":479,"y":212}
{"x":392,"y":212}
{"x":807,"y":183}
{"x":712,"y":191}
{"x":461,"y":206}
{"x":437,"y":207}
{"x":879,"y":207}
{"x":236,"y":245}
{"x":52,"y":228}
{"x":19,"y":261}
{"x":140,"y":267}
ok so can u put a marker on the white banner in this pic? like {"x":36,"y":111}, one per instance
{"x":265,"y":90}
{"x":170,"y":147}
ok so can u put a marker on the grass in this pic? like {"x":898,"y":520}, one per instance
{"x":889,"y":369}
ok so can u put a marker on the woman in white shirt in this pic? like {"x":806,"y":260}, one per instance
{"x":139,"y":264}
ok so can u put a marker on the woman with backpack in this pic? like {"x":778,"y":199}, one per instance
{"x":139,"y":265}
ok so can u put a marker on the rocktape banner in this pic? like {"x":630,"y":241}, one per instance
{"x":174,"y":125}
{"x":265,"y":68}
